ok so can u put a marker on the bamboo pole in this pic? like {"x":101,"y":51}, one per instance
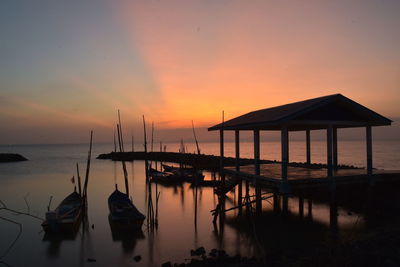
{"x":115,"y":143}
{"x":195,"y":139}
{"x":121,"y":146}
{"x":79,"y":180}
{"x":88,"y":167}
{"x":145,"y":148}
{"x":120,"y":129}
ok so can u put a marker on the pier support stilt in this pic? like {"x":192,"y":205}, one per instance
{"x":301,"y":205}
{"x":276,"y":202}
{"x":308,"y":146}
{"x":240,"y":202}
{"x":285,"y":203}
{"x":310,"y":204}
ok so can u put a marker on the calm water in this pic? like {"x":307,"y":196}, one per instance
{"x":49,"y":172}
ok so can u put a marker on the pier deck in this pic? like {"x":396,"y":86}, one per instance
{"x":270,"y":176}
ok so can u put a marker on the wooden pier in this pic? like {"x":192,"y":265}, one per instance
{"x":199,"y":161}
{"x":328,"y":113}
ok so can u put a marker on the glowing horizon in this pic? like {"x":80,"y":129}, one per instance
{"x":174,"y":62}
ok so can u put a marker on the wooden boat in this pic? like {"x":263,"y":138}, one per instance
{"x":169,"y":168}
{"x":66,"y":217}
{"x":123,"y":214}
{"x":186,"y":174}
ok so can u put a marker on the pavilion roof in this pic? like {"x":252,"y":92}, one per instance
{"x":312,"y":114}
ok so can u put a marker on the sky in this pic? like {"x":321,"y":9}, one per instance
{"x":67,"y":66}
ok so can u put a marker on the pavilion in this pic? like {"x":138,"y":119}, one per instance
{"x":330,"y":113}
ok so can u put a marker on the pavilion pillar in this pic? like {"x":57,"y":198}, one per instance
{"x":257,"y":152}
{"x":335,"y":148}
{"x":329,"y":133}
{"x":284,"y":153}
{"x":308,"y":146}
{"x":257,"y":169}
{"x":237,"y":153}
{"x":369,"y":149}
{"x":221,"y":147}
{"x":237,"y":150}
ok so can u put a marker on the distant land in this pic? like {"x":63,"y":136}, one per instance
{"x":8,"y":157}
{"x":105,"y":135}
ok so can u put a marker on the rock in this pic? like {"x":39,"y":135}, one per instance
{"x":200,"y":251}
{"x":166,"y":264}
{"x":137,"y":258}
{"x":9,"y":157}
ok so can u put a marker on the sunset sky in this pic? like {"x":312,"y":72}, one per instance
{"x":67,"y":66}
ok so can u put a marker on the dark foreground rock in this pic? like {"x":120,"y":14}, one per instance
{"x":8,"y":157}
{"x":216,"y":258}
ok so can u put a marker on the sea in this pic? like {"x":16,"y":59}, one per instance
{"x":184,"y":218}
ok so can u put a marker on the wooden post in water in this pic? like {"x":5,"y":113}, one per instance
{"x":115,"y":143}
{"x":369,"y":149}
{"x":79,"y":179}
{"x":195,"y":139}
{"x":121,"y":147}
{"x":120,"y":130}
{"x":133,"y":143}
{"x":308,"y":146}
{"x":87,"y":168}
{"x":145,"y":149}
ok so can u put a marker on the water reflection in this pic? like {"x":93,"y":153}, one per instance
{"x":127,"y":237}
{"x":184,"y":219}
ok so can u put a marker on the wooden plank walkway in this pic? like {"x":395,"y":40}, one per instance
{"x":270,"y":176}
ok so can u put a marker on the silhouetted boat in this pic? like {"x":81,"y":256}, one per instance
{"x":123,"y":214}
{"x":66,"y":217}
{"x":169,"y":168}
{"x":186,"y":174}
